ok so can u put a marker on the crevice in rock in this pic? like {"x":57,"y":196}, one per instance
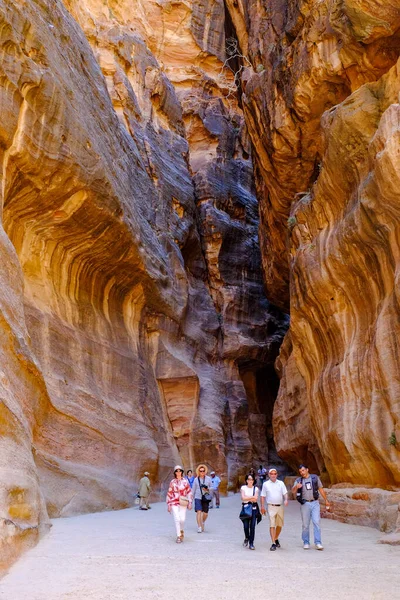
{"x":261,"y":384}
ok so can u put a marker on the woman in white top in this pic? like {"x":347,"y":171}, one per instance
{"x":249,"y":493}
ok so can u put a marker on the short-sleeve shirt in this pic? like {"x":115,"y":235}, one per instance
{"x":273,"y":491}
{"x":307,"y":489}
{"x":215,"y":481}
{"x":249,"y":491}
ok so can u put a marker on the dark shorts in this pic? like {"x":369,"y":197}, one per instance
{"x":199,"y":505}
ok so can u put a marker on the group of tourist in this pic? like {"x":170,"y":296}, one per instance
{"x":274,"y":497}
{"x":184,"y":490}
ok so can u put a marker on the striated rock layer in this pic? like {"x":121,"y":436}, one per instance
{"x":320,"y":97}
{"x":135,"y":328}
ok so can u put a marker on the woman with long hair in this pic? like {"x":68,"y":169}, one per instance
{"x":179,"y":500}
{"x":249,"y":493}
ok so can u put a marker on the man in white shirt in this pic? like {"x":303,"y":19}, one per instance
{"x":275,"y":494}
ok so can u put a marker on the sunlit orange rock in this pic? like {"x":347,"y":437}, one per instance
{"x":135,"y":318}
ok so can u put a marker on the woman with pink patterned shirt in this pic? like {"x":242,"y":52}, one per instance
{"x":179,"y":499}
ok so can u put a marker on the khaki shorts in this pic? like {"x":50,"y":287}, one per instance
{"x":275,"y":514}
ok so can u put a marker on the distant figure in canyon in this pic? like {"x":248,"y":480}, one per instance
{"x":179,"y":500}
{"x":252,"y":472}
{"x":190,"y":477}
{"x":202,"y":496}
{"x":307,"y":489}
{"x":275,"y":494}
{"x":262,"y":475}
{"x":144,"y":491}
{"x":215,"y":482}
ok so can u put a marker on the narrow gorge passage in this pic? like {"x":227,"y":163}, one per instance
{"x":130,"y":554}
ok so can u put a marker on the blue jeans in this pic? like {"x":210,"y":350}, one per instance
{"x":311,"y":511}
{"x":249,"y":526}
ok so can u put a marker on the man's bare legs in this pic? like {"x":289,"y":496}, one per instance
{"x":274,"y":532}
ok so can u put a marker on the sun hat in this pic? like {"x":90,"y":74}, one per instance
{"x":146,"y":473}
{"x":178,"y":467}
{"x":200,"y":467}
{"x":272,"y":469}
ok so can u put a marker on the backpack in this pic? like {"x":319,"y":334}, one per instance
{"x":299,"y":493}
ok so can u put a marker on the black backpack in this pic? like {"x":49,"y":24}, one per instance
{"x":299,"y":493}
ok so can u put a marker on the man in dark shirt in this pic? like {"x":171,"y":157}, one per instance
{"x":310,"y":508}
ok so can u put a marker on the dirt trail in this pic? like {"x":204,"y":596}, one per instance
{"x":132,"y":554}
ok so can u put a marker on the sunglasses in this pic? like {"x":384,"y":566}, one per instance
{"x":201,"y":470}
{"x":180,"y":470}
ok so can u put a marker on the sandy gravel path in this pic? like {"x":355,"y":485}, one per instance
{"x":132,"y":554}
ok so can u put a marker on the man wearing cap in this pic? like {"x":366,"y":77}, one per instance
{"x":275,"y":494}
{"x":215,"y":481}
{"x":307,"y":489}
{"x":144,"y":491}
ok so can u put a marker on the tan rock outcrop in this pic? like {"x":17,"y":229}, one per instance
{"x":364,"y":506}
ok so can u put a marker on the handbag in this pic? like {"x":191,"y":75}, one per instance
{"x":246,"y":512}
{"x":248,"y":508}
{"x":183,"y":501}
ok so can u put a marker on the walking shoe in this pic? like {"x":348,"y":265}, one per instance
{"x":319,"y":546}
{"x":178,"y":540}
{"x":306,"y":546}
{"x":277,"y":544}
{"x":143,"y":508}
{"x":273,"y":547}
{"x":246,"y":542}
{"x":251,"y":547}
{"x":199,"y":530}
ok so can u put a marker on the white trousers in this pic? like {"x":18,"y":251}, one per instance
{"x":179,"y":514}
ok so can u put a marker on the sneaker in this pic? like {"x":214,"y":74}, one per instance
{"x":277,"y":544}
{"x":199,"y":530}
{"x":319,"y":546}
{"x":306,"y":546}
{"x":246,"y":543}
{"x":273,"y":547}
{"x":143,"y":508}
{"x":178,"y":540}
{"x":251,"y":547}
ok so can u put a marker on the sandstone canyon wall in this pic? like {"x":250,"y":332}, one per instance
{"x":135,"y":327}
{"x":321,"y":105}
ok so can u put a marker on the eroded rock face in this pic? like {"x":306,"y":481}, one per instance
{"x":133,"y":293}
{"x":321,"y":101}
